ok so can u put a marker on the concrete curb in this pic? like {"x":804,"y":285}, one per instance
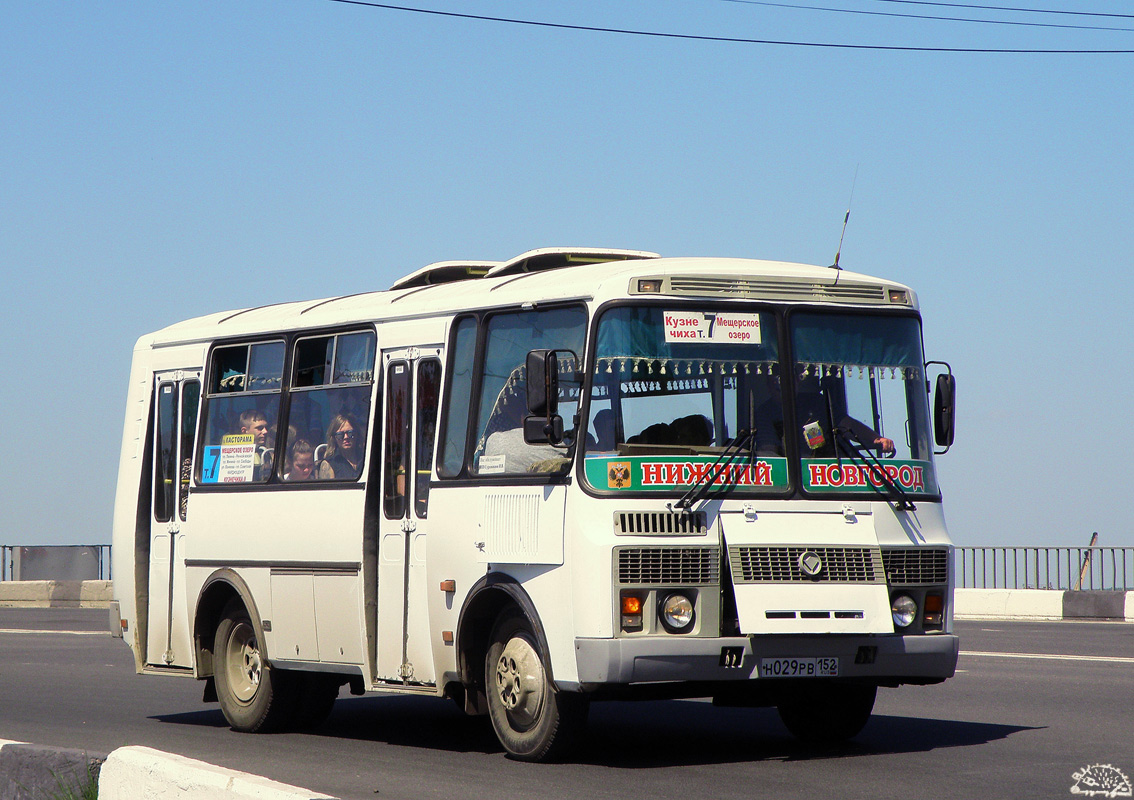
{"x":56,"y":594}
{"x":1043,"y":604}
{"x":36,"y":772}
{"x":142,"y":773}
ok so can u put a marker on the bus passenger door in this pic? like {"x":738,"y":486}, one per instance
{"x":177,"y":396}
{"x":412,"y":389}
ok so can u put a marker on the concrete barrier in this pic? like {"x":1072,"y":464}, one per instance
{"x":55,"y":594}
{"x":35,"y":772}
{"x":1043,"y":604}
{"x":142,"y":773}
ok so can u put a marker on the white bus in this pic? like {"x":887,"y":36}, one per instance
{"x":577,"y":475}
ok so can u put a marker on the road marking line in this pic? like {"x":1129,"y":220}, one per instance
{"x":67,"y":633}
{"x":1052,"y":657}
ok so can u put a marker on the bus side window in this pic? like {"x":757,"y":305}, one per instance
{"x":165,"y":467}
{"x":241,"y":413}
{"x":501,"y":448}
{"x":396,"y":458}
{"x":190,"y":400}
{"x":458,"y":401}
{"x":428,"y":394}
{"x":329,"y":413}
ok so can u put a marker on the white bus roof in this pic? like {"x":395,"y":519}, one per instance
{"x":445,"y":272}
{"x":680,"y":278}
{"x":546,"y":258}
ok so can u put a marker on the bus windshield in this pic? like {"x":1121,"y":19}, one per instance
{"x":672,"y":388}
{"x":859,"y":398}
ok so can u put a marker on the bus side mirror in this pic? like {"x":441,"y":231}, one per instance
{"x":544,"y":425}
{"x":944,"y":420}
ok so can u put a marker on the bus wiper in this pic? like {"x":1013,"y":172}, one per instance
{"x":704,"y":482}
{"x":894,"y":492}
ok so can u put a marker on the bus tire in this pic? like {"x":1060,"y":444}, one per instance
{"x":824,"y":713}
{"x":532,"y":720}
{"x":253,"y":696}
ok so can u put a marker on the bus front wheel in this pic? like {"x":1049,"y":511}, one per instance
{"x":532,"y":720}
{"x":823,"y":713}
{"x":253,"y":696}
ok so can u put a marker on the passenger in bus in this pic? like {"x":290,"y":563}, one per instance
{"x":603,"y":435}
{"x":254,"y":422}
{"x":813,"y":417}
{"x":508,"y":441}
{"x":658,"y":433}
{"x":695,"y":430}
{"x":300,"y":461}
{"x":343,"y":458}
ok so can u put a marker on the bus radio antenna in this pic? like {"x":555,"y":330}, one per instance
{"x":839,"y":251}
{"x":846,"y":219}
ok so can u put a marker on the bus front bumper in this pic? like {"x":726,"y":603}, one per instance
{"x":924,"y":658}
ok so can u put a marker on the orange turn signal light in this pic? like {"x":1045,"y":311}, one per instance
{"x":631,"y":605}
{"x":934,"y":603}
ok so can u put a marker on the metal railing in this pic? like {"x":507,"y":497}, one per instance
{"x":8,"y":559}
{"x":1065,"y":568}
{"x":1061,"y":568}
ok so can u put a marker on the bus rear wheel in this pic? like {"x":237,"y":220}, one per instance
{"x":532,"y":720}
{"x":824,"y":713}
{"x":253,"y":696}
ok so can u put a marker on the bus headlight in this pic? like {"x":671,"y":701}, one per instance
{"x":677,"y":612}
{"x":904,"y":610}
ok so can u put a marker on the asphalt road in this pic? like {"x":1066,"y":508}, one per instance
{"x":1009,"y":725}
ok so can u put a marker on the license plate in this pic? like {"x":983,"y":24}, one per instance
{"x":827,"y":667}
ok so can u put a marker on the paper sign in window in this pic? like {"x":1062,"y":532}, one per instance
{"x":718,"y":328}
{"x":234,"y":461}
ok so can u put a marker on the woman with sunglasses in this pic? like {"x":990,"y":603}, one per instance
{"x":343,"y":459}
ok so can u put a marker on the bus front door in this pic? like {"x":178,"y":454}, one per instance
{"x":177,"y":396}
{"x":412,"y":390}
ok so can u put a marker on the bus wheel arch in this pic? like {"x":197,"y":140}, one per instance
{"x":253,"y":695}
{"x":490,"y":597}
{"x":505,"y":666}
{"x":533,"y":720}
{"x":218,"y":590}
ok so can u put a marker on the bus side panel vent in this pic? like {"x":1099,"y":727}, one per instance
{"x":511,"y":525}
{"x":659,"y":523}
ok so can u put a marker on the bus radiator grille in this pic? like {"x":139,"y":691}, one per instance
{"x":907,"y":566}
{"x":781,"y":565}
{"x":678,"y":566}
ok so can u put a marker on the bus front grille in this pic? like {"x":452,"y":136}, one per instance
{"x":685,"y":566}
{"x":907,"y":566}
{"x":783,"y":564}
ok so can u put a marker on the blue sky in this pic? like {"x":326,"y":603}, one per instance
{"x":164,"y":160}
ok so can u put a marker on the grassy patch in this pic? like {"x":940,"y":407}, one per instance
{"x":75,"y":788}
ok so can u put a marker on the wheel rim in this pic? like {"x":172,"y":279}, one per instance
{"x":243,"y":664}
{"x":520,"y":683}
